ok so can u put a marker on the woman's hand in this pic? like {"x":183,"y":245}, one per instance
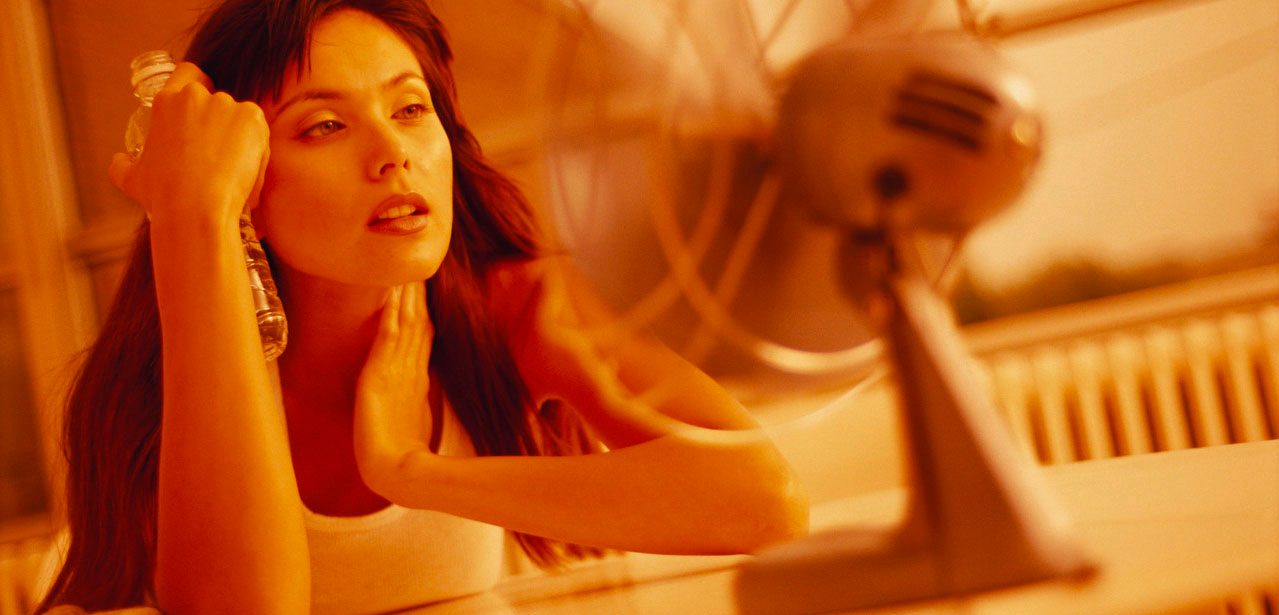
{"x":205,"y":154}
{"x":392,"y":414}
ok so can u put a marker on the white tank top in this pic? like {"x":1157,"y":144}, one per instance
{"x":400,"y":557}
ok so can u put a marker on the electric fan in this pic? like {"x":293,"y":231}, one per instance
{"x":776,"y":187}
{"x":664,"y":183}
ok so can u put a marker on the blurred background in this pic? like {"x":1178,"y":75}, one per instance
{"x":1161,"y":171}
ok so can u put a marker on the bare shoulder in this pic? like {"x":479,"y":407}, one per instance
{"x":552,"y":297}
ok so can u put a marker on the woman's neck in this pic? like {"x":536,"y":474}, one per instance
{"x":331,"y":327}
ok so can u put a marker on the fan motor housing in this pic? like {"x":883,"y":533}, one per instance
{"x":937,"y":127}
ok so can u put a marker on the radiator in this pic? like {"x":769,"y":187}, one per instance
{"x":1197,"y":381}
{"x":1187,"y":381}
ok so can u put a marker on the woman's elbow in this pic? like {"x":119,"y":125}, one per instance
{"x":784,"y":514}
{"x":775,"y":511}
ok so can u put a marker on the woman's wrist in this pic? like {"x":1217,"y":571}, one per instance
{"x":398,"y":472}
{"x":385,"y":456}
{"x":206,"y":217}
{"x":202,"y":237}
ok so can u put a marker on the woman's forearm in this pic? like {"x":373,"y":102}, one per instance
{"x":699,"y":491}
{"x":230,"y":533}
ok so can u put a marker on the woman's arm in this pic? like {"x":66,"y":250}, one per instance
{"x":670,"y":485}
{"x":230,"y":536}
{"x":678,"y":494}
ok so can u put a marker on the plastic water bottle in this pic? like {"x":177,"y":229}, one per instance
{"x":150,"y":72}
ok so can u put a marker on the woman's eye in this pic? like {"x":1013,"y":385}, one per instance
{"x":412,"y":112}
{"x":322,"y":129}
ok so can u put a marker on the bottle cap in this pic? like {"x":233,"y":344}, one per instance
{"x":150,"y":64}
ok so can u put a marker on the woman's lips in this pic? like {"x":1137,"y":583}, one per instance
{"x":400,"y":214}
{"x":403,"y":225}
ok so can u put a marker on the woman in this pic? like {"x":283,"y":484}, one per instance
{"x":407,"y":419}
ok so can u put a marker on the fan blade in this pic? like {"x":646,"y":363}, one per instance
{"x":708,"y":50}
{"x":1028,"y":17}
{"x":890,"y":17}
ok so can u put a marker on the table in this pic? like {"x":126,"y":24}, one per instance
{"x":1172,"y":531}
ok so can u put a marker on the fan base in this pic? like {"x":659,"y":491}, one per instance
{"x":853,"y":568}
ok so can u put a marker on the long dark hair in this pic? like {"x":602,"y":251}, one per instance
{"x":113,"y":413}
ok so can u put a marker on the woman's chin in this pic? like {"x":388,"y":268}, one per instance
{"x":384,"y":273}
{"x":399,"y":274}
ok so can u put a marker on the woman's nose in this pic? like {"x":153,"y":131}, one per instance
{"x":387,"y":153}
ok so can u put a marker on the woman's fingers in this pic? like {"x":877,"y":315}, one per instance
{"x":391,"y":400}
{"x":405,"y":328}
{"x":409,"y":305}
{"x":415,"y":321}
{"x":391,"y":312}
{"x":184,"y":74}
{"x":204,"y":153}
{"x":388,"y":331}
{"x":255,"y":196}
{"x":411,"y":320}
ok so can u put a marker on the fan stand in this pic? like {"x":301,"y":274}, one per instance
{"x":980,"y":514}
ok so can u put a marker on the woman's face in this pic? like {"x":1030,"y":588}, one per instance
{"x":359,"y":188}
